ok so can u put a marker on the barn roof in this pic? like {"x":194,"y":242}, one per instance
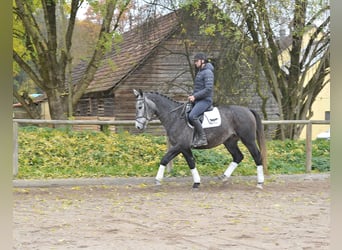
{"x":135,"y":48}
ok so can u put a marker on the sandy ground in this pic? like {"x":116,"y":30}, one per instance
{"x":289,"y":213}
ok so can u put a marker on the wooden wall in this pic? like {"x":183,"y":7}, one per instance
{"x":96,"y":104}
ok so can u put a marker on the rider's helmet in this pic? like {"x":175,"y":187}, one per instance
{"x":200,"y":56}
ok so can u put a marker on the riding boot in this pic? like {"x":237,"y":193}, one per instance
{"x":200,"y":138}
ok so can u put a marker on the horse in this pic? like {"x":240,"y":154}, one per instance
{"x":237,"y":123}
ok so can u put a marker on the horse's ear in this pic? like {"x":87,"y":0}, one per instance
{"x":137,"y":93}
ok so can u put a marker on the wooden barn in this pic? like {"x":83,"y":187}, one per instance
{"x":156,"y":56}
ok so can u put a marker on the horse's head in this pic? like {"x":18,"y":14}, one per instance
{"x":145,"y":109}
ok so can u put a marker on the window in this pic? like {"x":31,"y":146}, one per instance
{"x":327,"y":115}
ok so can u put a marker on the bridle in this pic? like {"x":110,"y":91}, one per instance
{"x":145,"y":115}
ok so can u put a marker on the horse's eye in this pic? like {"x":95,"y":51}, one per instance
{"x":139,"y":107}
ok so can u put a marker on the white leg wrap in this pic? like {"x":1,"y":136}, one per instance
{"x":260,"y":173}
{"x":230,"y":169}
{"x":195,"y":175}
{"x":160,"y":174}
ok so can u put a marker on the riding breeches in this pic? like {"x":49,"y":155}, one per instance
{"x":198,"y":109}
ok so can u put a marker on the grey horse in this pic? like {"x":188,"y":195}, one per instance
{"x":237,"y":123}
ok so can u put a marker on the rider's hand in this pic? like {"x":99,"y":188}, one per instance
{"x":191,"y":98}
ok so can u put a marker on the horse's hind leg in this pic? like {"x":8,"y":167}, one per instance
{"x":253,"y":149}
{"x":232,"y":147}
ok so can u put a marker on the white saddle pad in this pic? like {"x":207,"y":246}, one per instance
{"x":211,"y":118}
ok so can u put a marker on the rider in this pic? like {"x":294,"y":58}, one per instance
{"x":202,"y":96}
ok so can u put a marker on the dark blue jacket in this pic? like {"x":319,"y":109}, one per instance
{"x":204,"y":83}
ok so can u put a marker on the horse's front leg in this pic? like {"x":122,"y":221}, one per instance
{"x":170,"y":154}
{"x":187,"y":153}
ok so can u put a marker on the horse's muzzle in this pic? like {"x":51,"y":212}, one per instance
{"x":140,"y":124}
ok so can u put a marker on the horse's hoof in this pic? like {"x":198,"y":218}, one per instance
{"x":196,"y":185}
{"x":259,"y":185}
{"x":157,"y":183}
{"x":223,"y":178}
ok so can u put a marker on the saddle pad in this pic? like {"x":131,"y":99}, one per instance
{"x":211,"y":118}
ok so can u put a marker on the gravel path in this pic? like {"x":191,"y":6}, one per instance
{"x":291,"y":212}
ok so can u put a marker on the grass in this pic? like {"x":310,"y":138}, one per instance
{"x":61,"y":153}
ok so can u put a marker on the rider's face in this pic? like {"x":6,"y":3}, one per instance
{"x":199,"y":63}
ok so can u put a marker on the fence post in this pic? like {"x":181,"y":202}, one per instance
{"x":308,"y":146}
{"x":15,"y":148}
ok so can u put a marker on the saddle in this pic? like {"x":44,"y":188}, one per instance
{"x":209,"y":119}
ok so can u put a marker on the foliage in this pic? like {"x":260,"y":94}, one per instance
{"x":43,"y":34}
{"x":63,"y":153}
{"x":290,"y":41}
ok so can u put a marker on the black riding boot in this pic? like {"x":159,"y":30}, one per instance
{"x":199,"y":139}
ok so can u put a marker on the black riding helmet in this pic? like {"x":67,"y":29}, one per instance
{"x":201,"y":56}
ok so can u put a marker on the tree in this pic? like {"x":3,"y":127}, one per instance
{"x":45,"y":54}
{"x":297,"y":73}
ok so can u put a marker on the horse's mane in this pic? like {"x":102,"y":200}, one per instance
{"x":164,"y":96}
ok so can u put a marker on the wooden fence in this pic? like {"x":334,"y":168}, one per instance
{"x":308,"y":142}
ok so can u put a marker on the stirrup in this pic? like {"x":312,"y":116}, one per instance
{"x":199,"y":143}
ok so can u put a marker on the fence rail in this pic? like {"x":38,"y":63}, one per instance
{"x":308,"y":123}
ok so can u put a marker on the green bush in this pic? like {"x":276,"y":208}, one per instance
{"x":63,"y":153}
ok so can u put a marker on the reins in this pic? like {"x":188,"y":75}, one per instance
{"x":181,"y":106}
{"x":184,"y":110}
{"x":146,"y":116}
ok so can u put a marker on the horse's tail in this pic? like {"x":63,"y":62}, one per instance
{"x":261,"y":140}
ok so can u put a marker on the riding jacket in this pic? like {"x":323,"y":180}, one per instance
{"x":204,"y":84}
{"x":203,"y":91}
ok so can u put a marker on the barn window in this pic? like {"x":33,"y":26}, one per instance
{"x":327,"y":115}
{"x":83,"y":107}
